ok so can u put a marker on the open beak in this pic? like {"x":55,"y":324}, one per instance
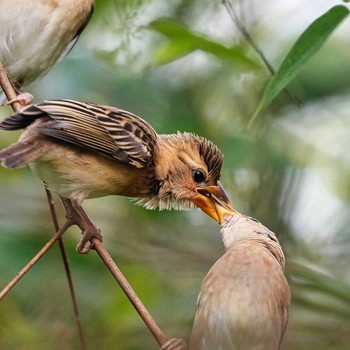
{"x":213,"y":201}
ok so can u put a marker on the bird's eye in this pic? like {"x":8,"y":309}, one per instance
{"x":198,"y":175}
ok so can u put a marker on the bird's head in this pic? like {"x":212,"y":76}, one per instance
{"x":184,"y":163}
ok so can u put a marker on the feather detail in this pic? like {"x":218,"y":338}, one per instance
{"x":115,"y":133}
{"x":167,"y":203}
{"x":21,"y":154}
{"x":76,"y":37}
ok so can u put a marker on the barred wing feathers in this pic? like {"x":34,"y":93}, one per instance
{"x":115,"y":133}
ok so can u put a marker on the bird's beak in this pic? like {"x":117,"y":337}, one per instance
{"x":213,"y":201}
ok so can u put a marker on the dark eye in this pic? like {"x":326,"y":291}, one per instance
{"x":198,"y":175}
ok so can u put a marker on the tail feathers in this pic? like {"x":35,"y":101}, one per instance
{"x":22,"y":119}
{"x":20,"y":154}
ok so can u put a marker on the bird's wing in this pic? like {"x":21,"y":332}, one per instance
{"x":117,"y":134}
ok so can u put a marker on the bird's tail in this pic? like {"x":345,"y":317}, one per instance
{"x":20,"y":154}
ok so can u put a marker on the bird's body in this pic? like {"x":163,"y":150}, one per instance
{"x":83,"y":150}
{"x":243,"y":303}
{"x":35,"y":34}
{"x":89,"y":176}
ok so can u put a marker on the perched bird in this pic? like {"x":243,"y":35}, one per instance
{"x":244,"y":299}
{"x":84,"y":150}
{"x":35,"y":34}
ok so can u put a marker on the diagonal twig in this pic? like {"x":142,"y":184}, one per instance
{"x":82,"y":220}
{"x":67,"y":270}
{"x":129,"y":292}
{"x":10,"y":93}
{"x":35,"y":259}
{"x":8,"y":89}
{"x":240,"y":26}
{"x":101,"y":251}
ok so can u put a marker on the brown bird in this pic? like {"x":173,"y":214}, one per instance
{"x":84,"y":150}
{"x":244,"y":299}
{"x":36,"y":33}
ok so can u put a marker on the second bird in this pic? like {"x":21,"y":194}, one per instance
{"x":244,"y":299}
{"x":34,"y":34}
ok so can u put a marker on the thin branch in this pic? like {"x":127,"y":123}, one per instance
{"x":10,"y":93}
{"x":35,"y":259}
{"x":8,"y":89}
{"x":65,"y":261}
{"x":130,"y":293}
{"x":240,"y":26}
{"x":82,"y":220}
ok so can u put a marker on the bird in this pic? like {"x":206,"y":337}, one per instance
{"x":83,"y":150}
{"x":244,"y":299}
{"x":36,"y":34}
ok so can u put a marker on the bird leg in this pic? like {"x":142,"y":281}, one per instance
{"x":77,"y":215}
{"x":12,"y":91}
{"x":174,"y":344}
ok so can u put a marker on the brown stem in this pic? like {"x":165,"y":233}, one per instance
{"x":35,"y":259}
{"x":68,"y":271}
{"x":8,"y":89}
{"x":254,"y":45}
{"x":102,"y":252}
{"x":82,"y":220}
{"x":10,"y":93}
{"x":129,"y":292}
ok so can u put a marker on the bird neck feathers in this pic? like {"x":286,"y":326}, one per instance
{"x":239,"y":227}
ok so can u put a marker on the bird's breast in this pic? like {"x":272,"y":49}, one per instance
{"x":79,"y":174}
{"x":243,"y":302}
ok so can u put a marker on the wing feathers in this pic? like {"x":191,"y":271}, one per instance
{"x":115,"y":133}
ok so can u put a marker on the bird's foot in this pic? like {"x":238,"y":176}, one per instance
{"x":174,"y":344}
{"x":24,"y":98}
{"x":90,"y":233}
{"x":77,"y":216}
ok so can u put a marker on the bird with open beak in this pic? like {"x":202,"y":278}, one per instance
{"x":244,"y":299}
{"x":84,"y":150}
{"x":36,"y":33}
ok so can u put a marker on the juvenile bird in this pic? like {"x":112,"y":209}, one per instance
{"x":35,"y":34}
{"x":84,"y":150}
{"x":244,"y":299}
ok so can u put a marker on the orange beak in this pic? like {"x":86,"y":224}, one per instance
{"x":213,"y":201}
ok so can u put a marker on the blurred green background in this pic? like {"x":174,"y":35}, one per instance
{"x":290,"y":170}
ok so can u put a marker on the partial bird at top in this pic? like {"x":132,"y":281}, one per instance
{"x":36,"y":33}
{"x":84,"y":150}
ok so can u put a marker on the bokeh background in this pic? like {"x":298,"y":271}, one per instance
{"x":290,"y":170}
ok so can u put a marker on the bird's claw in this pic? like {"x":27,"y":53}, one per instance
{"x":24,"y":98}
{"x":77,"y":216}
{"x":85,"y":244}
{"x":174,"y":344}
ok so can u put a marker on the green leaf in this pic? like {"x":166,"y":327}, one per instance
{"x":310,"y":41}
{"x":183,"y":41}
